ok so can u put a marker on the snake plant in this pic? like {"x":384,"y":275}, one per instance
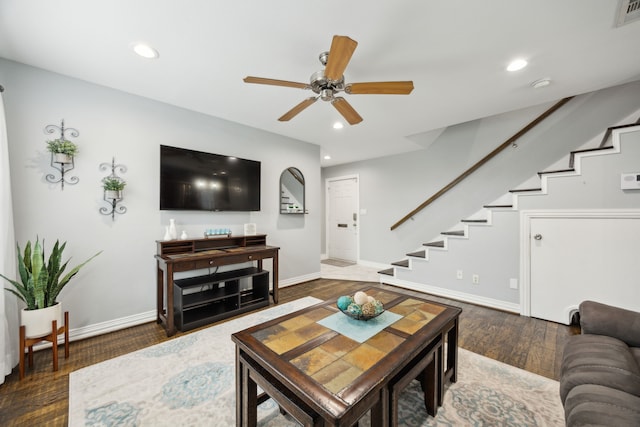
{"x":40,"y":281}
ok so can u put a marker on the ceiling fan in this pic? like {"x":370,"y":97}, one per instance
{"x":330,"y":81}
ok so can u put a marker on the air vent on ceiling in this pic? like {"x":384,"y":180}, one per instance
{"x":629,"y":11}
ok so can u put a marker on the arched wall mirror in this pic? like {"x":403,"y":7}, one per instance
{"x":292,"y":191}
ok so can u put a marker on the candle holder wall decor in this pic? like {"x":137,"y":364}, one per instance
{"x":63,"y":153}
{"x":113,"y":187}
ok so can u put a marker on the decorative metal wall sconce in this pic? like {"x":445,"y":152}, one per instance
{"x":113,"y":187}
{"x":62,"y":154}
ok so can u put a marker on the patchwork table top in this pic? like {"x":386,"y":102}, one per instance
{"x":335,"y":351}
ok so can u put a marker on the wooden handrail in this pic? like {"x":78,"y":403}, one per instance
{"x":484,"y":160}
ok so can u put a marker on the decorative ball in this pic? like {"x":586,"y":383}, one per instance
{"x":360,"y":298}
{"x":371,"y":299}
{"x":344,"y":301}
{"x":368,"y":309}
{"x":378,"y":307}
{"x":354,"y":309}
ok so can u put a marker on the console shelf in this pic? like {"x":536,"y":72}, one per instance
{"x":205,"y":299}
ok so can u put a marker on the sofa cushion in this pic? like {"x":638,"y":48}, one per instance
{"x":602,"y":319}
{"x":597,"y":359}
{"x":596,"y":405}
{"x":636,"y":354}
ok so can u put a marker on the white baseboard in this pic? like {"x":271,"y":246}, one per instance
{"x":103,"y":328}
{"x":448,"y":293}
{"x":150,"y":316}
{"x":111,"y":325}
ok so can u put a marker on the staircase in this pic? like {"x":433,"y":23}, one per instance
{"x":427,"y":268}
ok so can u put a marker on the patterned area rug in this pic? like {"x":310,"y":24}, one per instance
{"x":190,"y":381}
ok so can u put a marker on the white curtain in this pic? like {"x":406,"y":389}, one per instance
{"x":8,"y":302}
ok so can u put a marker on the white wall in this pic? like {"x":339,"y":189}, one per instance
{"x":119,"y":285}
{"x":391,"y":187}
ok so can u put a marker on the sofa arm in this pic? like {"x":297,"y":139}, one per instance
{"x":602,"y":319}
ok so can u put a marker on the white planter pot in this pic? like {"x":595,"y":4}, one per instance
{"x":113,"y":194}
{"x":62,"y":158}
{"x":37,"y":323}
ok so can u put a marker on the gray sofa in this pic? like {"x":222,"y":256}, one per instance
{"x":600,"y":373}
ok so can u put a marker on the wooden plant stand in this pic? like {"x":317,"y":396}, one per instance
{"x":52,"y":338}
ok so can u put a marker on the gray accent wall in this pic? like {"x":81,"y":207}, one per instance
{"x":119,"y":286}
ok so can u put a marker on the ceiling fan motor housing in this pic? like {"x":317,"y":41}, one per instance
{"x":325,"y":87}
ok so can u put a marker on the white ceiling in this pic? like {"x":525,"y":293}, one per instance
{"x":454,"y":51}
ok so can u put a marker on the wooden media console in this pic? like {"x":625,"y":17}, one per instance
{"x":195,"y":301}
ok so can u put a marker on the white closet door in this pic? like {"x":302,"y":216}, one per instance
{"x":577,"y":258}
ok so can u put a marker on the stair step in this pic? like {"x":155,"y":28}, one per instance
{"x":453,"y":233}
{"x":403,"y":263}
{"x":525,"y":190}
{"x":475,"y":221}
{"x":587,"y":150}
{"x":556,"y":171}
{"x":498,"y":206}
{"x":439,"y":244}
{"x":388,"y":272}
{"x":607,"y":134}
{"x":419,"y":254}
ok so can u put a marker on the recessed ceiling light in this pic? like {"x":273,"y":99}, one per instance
{"x":327,"y":157}
{"x":338,"y":125}
{"x":517,"y":64}
{"x":541,"y":83}
{"x":145,"y":51}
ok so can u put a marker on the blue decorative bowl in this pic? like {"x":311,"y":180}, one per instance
{"x":361,"y":316}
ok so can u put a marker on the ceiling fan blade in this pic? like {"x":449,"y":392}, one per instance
{"x":381,"y":88}
{"x":342,"y":47}
{"x":347,"y":111}
{"x":274,"y":82}
{"x":297,"y":109}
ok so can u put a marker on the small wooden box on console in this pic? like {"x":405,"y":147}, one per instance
{"x":175,"y":256}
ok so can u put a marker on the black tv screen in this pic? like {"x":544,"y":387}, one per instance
{"x":194,"y":180}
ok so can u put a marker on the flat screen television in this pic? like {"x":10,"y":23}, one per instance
{"x":197,"y":181}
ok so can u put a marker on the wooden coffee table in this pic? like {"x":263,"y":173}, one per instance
{"x":325,"y":369}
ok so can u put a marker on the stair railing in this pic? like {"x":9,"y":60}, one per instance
{"x":484,"y":160}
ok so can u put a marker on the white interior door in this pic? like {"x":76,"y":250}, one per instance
{"x":574,"y":258}
{"x":342,"y":223}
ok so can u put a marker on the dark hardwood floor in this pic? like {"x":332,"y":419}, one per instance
{"x":42,"y":397}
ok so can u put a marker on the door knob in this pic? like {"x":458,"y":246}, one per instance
{"x":538,"y":237}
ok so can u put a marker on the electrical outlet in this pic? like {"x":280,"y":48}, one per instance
{"x":459,"y":275}
{"x":513,"y":283}
{"x":475,"y":279}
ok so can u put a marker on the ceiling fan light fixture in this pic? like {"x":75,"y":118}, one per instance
{"x":326,"y":94}
{"x":338,"y":125}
